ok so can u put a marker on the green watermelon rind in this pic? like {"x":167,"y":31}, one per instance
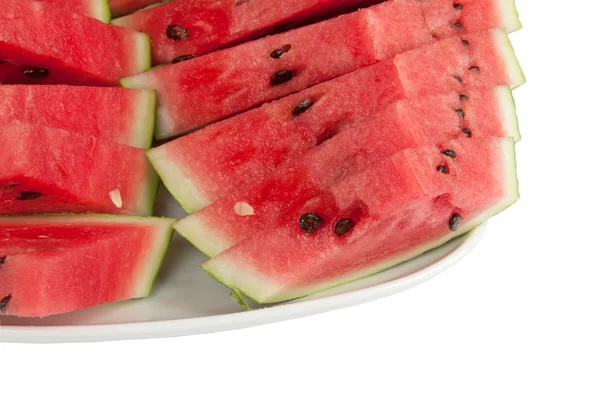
{"x":148,"y":193}
{"x":143,"y":56}
{"x":143,"y":121}
{"x":514,"y":72}
{"x":262,"y":291}
{"x":198,"y":236}
{"x":102,"y":11}
{"x":509,"y":15}
{"x":508,"y":112}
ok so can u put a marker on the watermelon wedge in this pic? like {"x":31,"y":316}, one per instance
{"x":90,"y":8}
{"x":406,"y":124}
{"x":33,"y":38}
{"x":117,"y":114}
{"x":118,"y":8}
{"x":218,"y":85}
{"x":372,"y":221}
{"x":207,"y":25}
{"x":207,"y":165}
{"x":45,"y":170}
{"x":57,"y":264}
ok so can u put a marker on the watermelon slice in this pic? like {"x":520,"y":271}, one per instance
{"x":218,"y":85}
{"x":90,"y":8}
{"x":118,"y":8}
{"x":50,"y":48}
{"x":45,"y":170}
{"x":127,"y":116}
{"x":207,"y":165}
{"x":222,"y":22}
{"x":406,"y":124}
{"x":372,"y":221}
{"x":57,"y":264}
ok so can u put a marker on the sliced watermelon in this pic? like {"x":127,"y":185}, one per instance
{"x":118,"y":8}
{"x":218,"y":85}
{"x":45,"y":170}
{"x":207,"y":165}
{"x":207,"y":25}
{"x":372,"y":221}
{"x":57,"y":264}
{"x":90,"y":8}
{"x":51,"y":48}
{"x":117,"y":114}
{"x":406,"y":124}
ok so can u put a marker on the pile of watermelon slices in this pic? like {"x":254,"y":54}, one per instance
{"x":323,"y":140}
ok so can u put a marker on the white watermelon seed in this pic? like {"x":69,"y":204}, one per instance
{"x":243,"y":209}
{"x":115,"y":196}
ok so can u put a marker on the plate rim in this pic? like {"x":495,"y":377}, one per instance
{"x":225,"y":322}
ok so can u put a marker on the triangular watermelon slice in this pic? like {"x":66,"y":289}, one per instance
{"x":56,"y":264}
{"x":120,"y":115}
{"x":371,"y":221}
{"x":50,"y":46}
{"x":212,"y":87}
{"x":406,"y":124}
{"x":45,"y":170}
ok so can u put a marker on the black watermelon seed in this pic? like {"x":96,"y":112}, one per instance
{"x":176,"y":32}
{"x":458,"y":78}
{"x":28,"y":195}
{"x":442,"y":169}
{"x":467,"y":132}
{"x":2,"y":261}
{"x":280,"y":77}
{"x":463,"y":97}
{"x":455,"y":222}
{"x":475,"y":68}
{"x":465,"y":42}
{"x":343,"y":227}
{"x":36,"y":73}
{"x":310,"y":222}
{"x":4,"y":302}
{"x":450,"y":153}
{"x":458,"y":6}
{"x":280,"y":51}
{"x":302,"y":107}
{"x":460,"y":112}
{"x":182,"y":58}
{"x":458,"y":25}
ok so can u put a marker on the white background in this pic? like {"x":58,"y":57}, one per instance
{"x":517,"y":318}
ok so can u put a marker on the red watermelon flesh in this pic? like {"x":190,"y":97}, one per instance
{"x":406,"y":124}
{"x":218,"y":85}
{"x":57,"y":264}
{"x":207,"y":165}
{"x":211,"y":24}
{"x":389,"y":225}
{"x":117,"y":114}
{"x":118,"y":8}
{"x":90,"y":8}
{"x":45,"y":170}
{"x":33,"y":37}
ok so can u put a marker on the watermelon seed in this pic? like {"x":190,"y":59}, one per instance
{"x":475,"y":68}
{"x":465,"y":42}
{"x":182,"y":58}
{"x":282,"y":76}
{"x":467,"y":132}
{"x":302,"y":107}
{"x":442,"y":169}
{"x":458,"y":78}
{"x":243,"y":209}
{"x":36,"y":73}
{"x":4,"y":302}
{"x":280,"y":51}
{"x":460,"y":112}
{"x":463,"y":97}
{"x":458,"y":25}
{"x":343,"y":227}
{"x":2,"y":261}
{"x":455,"y":222}
{"x":458,"y":6}
{"x":176,"y":32}
{"x":28,"y":195}
{"x":310,"y":222}
{"x":450,"y":153}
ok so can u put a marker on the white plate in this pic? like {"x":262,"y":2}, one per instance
{"x":187,"y":301}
